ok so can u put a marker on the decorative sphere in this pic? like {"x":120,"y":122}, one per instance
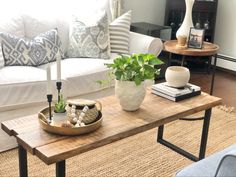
{"x":82,"y":114}
{"x":75,"y":119}
{"x":77,"y":125}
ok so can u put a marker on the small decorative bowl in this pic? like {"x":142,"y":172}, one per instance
{"x":177,"y":76}
{"x":90,"y":115}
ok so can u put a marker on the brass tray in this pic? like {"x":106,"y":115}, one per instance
{"x":55,"y":127}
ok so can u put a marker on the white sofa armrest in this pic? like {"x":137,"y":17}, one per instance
{"x":140,"y":43}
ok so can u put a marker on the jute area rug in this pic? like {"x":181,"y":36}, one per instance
{"x":138,"y":155}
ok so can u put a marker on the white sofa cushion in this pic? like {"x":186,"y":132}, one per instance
{"x":37,"y":23}
{"x":85,"y":8}
{"x":21,"y":74}
{"x":21,"y":84}
{"x":25,"y":84}
{"x":81,"y":74}
{"x":12,"y":24}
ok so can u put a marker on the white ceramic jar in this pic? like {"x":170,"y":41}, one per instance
{"x":177,"y":76}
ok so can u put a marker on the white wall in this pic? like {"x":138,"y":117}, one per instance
{"x":225,"y":35}
{"x":152,"y":11}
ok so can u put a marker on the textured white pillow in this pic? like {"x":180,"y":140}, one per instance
{"x":12,"y":24}
{"x":89,"y":39}
{"x":119,"y":34}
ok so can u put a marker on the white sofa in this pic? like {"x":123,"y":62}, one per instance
{"x":21,"y":86}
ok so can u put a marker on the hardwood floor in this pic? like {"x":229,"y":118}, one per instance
{"x":225,"y":85}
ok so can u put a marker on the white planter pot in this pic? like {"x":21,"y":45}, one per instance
{"x":130,"y":95}
{"x":177,"y":76}
{"x":188,"y":21}
{"x":59,"y":117}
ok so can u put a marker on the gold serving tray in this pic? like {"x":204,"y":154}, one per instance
{"x":54,"y":126}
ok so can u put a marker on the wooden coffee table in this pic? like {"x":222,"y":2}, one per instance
{"x":117,"y":124}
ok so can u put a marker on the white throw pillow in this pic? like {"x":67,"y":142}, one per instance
{"x":89,"y":40}
{"x":119,"y":31}
{"x":12,"y":24}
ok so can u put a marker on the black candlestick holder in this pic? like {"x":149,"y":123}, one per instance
{"x":59,"y":84}
{"x":49,"y":97}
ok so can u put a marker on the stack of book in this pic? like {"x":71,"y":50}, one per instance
{"x":176,"y":94}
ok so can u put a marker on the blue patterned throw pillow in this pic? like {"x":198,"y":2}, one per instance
{"x":89,"y":41}
{"x":40,"y":50}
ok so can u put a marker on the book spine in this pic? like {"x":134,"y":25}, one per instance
{"x":163,"y":95}
{"x":166,"y":91}
{"x":174,"y":92}
{"x":178,"y":98}
{"x":192,"y":94}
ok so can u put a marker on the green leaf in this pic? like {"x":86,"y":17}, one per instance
{"x":137,"y":80}
{"x":140,"y":60}
{"x":149,"y":72}
{"x":155,"y":61}
{"x":60,"y":105}
{"x":137,"y":67}
{"x":118,"y":74}
{"x":99,"y":82}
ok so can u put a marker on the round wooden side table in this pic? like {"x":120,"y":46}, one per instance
{"x":208,"y":49}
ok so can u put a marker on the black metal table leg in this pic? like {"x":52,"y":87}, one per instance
{"x":213,"y":75}
{"x":169,"y":59}
{"x":23,"y":169}
{"x":61,"y":169}
{"x":209,"y":65}
{"x":177,"y":149}
{"x":205,"y":130}
{"x":160,"y":132}
{"x":183,"y":59}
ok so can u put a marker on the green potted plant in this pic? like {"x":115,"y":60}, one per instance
{"x":130,"y":72}
{"x":60,"y":105}
{"x":59,"y":109}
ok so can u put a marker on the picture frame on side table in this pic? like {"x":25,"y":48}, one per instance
{"x":196,"y":37}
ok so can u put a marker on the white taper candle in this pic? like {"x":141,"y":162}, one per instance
{"x":49,"y":84}
{"x":58,"y":68}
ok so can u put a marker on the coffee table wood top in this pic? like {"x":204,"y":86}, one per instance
{"x":117,"y":124}
{"x":208,"y":49}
